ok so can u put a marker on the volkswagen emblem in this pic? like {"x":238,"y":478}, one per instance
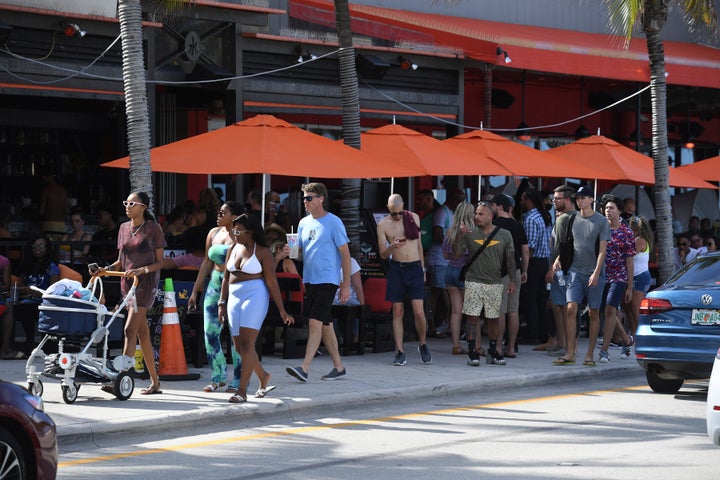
{"x":706,"y":299}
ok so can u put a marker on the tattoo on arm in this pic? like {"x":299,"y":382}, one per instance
{"x":510,"y":260}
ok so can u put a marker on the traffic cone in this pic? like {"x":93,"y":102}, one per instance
{"x":172,"y":353}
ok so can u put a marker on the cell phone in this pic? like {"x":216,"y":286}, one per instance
{"x":402,"y":240}
{"x":93,"y":268}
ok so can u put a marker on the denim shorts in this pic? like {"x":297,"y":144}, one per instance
{"x":452,"y":277}
{"x":578,"y":290}
{"x":641,"y":281}
{"x":614,"y":293}
{"x":437,"y":275}
{"x":405,"y":279}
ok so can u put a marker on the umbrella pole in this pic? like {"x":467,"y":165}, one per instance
{"x":392,"y":185}
{"x":595,"y":192}
{"x":479,"y":187}
{"x":265,"y":183}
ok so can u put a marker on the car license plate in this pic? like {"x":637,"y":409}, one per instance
{"x":705,"y":317}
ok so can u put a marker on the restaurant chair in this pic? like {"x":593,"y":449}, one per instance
{"x":294,"y":337}
{"x":378,"y":321}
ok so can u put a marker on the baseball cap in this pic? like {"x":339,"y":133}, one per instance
{"x":505,"y":200}
{"x":585,"y":191}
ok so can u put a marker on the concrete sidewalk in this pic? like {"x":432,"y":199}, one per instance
{"x":370,"y":378}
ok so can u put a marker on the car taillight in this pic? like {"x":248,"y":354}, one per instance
{"x":654,"y":305}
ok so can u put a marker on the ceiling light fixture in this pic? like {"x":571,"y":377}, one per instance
{"x":500,"y":51}
{"x":72,"y":29}
{"x":303,"y":55}
{"x":406,"y":64}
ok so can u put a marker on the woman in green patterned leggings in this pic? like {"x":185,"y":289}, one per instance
{"x":216,"y":245}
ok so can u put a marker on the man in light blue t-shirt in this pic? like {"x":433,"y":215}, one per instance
{"x":324,"y":248}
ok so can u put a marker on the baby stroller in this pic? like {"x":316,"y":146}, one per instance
{"x":78,"y":324}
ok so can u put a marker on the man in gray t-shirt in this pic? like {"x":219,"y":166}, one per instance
{"x":586,"y":278}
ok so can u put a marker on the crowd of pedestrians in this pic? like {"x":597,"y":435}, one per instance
{"x":500,"y":267}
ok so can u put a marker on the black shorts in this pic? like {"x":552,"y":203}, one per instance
{"x":318,"y":301}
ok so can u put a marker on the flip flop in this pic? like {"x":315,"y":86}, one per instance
{"x":563,"y":361}
{"x":262,"y":392}
{"x":237,"y":399}
{"x":213,"y":387}
{"x":589,"y":363}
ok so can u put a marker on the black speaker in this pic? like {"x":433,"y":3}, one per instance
{"x":371,"y":67}
{"x":375,"y":193}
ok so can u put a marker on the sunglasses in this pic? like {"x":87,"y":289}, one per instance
{"x":238,"y":232}
{"x":485,"y":203}
{"x":396,"y":214}
{"x":38,"y":246}
{"x":309,"y":198}
{"x":131,"y":204}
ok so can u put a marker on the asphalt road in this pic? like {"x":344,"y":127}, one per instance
{"x":594,"y":427}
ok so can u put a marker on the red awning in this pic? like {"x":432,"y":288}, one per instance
{"x":532,"y":48}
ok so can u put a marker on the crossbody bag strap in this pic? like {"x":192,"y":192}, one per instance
{"x":482,"y":247}
{"x":568,"y":232}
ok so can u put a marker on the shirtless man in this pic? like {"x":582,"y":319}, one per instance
{"x":399,"y":238}
{"x":53,"y":207}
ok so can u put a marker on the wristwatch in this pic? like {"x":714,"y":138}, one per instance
{"x":145,"y":269}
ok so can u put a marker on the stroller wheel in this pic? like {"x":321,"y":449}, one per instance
{"x":35,"y":388}
{"x":124,"y":386}
{"x":70,"y":392}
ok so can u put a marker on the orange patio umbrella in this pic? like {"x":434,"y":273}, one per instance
{"x":521,"y":159}
{"x":708,"y":169}
{"x":420,"y":151}
{"x":621,"y":163}
{"x":265,"y":144}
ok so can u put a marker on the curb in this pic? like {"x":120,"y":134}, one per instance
{"x":289,"y":407}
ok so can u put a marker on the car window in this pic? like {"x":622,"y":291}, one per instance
{"x":704,"y":270}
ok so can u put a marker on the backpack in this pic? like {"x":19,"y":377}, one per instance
{"x":566,"y":247}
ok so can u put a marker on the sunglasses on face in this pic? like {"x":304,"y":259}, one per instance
{"x":38,"y":246}
{"x":131,"y":204}
{"x":238,"y":232}
{"x":396,"y":214}
{"x":309,"y":198}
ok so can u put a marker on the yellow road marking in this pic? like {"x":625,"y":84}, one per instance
{"x":299,"y":430}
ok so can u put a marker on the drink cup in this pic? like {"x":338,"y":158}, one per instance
{"x":292,"y":241}
{"x":14,"y":294}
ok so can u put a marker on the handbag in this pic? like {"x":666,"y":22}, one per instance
{"x":566,"y":247}
{"x":477,"y":253}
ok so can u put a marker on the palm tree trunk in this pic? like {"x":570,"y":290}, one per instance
{"x":350,"y":211}
{"x":136,"y":102}
{"x":663,"y":210}
{"x":653,"y":19}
